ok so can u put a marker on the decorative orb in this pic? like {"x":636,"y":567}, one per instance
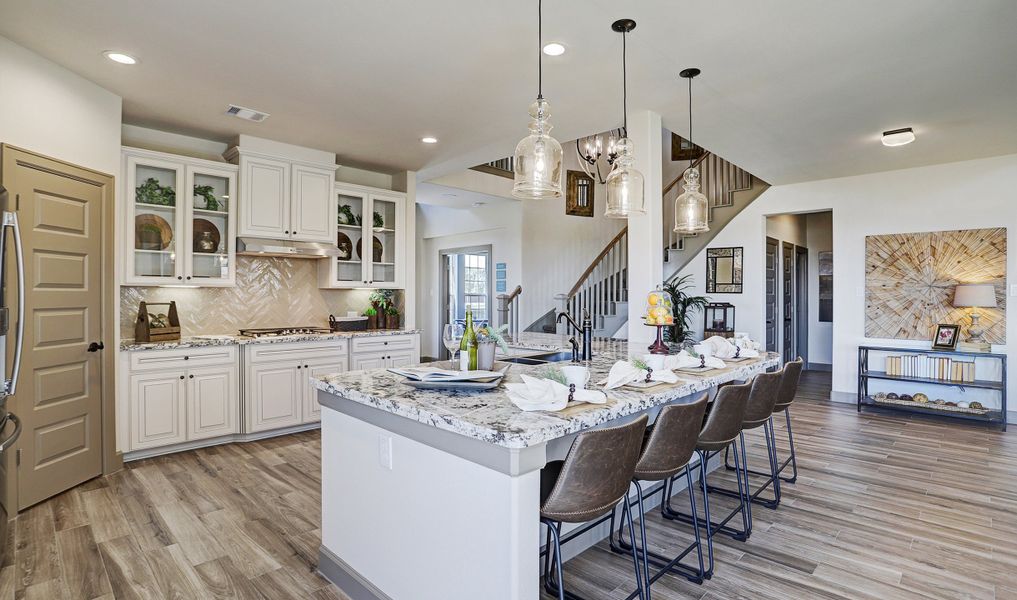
{"x":920,"y":397}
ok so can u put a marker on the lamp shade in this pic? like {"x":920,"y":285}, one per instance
{"x":974,"y":294}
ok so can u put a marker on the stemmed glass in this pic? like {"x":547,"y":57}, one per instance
{"x":452,"y":336}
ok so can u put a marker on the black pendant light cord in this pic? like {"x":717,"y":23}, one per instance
{"x":691,"y":143}
{"x":540,"y":50}
{"x":625,"y":89}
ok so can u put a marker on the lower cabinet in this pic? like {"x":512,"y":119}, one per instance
{"x":312,"y":410}
{"x":393,"y":358}
{"x":212,"y":402}
{"x":274,"y":397}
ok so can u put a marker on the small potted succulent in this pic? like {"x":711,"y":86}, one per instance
{"x":391,"y":317}
{"x":372,"y":317}
{"x":488,"y":338}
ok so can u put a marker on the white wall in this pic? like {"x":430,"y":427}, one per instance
{"x":819,"y":238}
{"x":962,"y":195}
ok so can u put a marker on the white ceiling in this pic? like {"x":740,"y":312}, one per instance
{"x":792,"y":90}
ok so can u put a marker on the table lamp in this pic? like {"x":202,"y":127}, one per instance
{"x":975,"y":296}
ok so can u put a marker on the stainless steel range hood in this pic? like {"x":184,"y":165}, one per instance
{"x":248,"y":246}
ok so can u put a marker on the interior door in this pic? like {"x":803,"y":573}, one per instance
{"x":771,"y":295}
{"x":802,"y":303}
{"x":787,"y":285}
{"x":59,"y":397}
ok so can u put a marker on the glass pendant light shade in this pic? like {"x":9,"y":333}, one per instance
{"x":538,"y":158}
{"x":624,"y":185}
{"x":691,"y":209}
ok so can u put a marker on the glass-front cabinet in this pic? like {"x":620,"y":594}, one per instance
{"x":179,"y":224}
{"x":371,"y":237}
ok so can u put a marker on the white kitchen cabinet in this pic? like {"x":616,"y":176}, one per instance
{"x":363,"y":362}
{"x":285,"y":199}
{"x":319,"y":368}
{"x":158,"y":410}
{"x":212,"y":402}
{"x":179,"y":223}
{"x":372,"y":239}
{"x":384,"y":351}
{"x":275,"y":396}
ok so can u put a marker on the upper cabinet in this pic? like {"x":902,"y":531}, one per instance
{"x":179,"y":223}
{"x":370,"y":232}
{"x":283,"y":198}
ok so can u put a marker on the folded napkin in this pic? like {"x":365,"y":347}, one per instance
{"x":724,"y":348}
{"x":684,"y":360}
{"x":623,"y":372}
{"x":545,"y":394}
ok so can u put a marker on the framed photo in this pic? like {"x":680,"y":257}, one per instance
{"x":579,"y":194}
{"x":946,"y":337}
{"x":724,"y":270}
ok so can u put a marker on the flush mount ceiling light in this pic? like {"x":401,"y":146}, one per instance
{"x":429,"y":140}
{"x":624,"y":183}
{"x":898,"y":137}
{"x":691,"y":209}
{"x":554,"y":49}
{"x":538,"y":155}
{"x":120,"y":57}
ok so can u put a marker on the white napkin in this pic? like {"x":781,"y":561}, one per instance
{"x":684,"y":360}
{"x":724,"y":348}
{"x":548,"y":395}
{"x":623,"y":372}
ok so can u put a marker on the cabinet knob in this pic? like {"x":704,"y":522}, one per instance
{"x":294,"y":232}
{"x":188,"y":277}
{"x":386,"y":343}
{"x":298,"y":366}
{"x":180,"y":276}
{"x":187,"y":358}
{"x":305,"y":366}
{"x":287,"y":232}
{"x":181,"y":377}
{"x":191,"y":376}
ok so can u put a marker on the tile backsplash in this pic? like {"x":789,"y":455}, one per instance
{"x":269,"y":292}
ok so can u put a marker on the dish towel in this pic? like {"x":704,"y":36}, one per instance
{"x":684,"y":360}
{"x":623,"y":372}
{"x":723,"y":348}
{"x":547,"y":395}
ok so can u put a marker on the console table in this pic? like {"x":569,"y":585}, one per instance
{"x":996,"y":387}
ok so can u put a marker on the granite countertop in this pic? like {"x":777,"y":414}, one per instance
{"x":239,"y":340}
{"x":491,"y":417}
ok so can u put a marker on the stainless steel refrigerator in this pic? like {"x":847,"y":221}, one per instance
{"x":10,"y":425}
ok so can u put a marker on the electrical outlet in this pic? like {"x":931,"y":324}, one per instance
{"x":385,"y":451}
{"x":1013,"y":289}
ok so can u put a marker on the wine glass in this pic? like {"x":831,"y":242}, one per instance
{"x":452,"y":336}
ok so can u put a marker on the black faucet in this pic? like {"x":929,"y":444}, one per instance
{"x":586,"y":328}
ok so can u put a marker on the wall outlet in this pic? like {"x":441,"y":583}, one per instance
{"x":1013,"y":289}
{"x":385,"y":451}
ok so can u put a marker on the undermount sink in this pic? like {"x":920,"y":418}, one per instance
{"x":539,"y":359}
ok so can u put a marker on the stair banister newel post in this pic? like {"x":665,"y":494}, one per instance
{"x":508,"y":311}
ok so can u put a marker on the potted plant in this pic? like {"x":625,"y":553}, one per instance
{"x":206,"y":194}
{"x":372,"y":317}
{"x":149,"y":237}
{"x":391,"y":317}
{"x":683,"y":307}
{"x":380,"y":300}
{"x":488,"y":338}
{"x":346,"y":215}
{"x":150,"y":192}
{"x":379,"y":221}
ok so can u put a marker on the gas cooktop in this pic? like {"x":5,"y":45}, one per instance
{"x":282,"y":331}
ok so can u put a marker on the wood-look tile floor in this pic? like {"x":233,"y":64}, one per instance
{"x":886,"y":507}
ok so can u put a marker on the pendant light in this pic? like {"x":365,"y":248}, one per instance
{"x":691,"y":209}
{"x":538,"y":156}
{"x":624,"y":183}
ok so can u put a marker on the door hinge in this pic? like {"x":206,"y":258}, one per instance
{"x":17,"y":206}
{"x":17,"y":458}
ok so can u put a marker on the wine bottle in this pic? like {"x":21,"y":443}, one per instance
{"x":468,"y":346}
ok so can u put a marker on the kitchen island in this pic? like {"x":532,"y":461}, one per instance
{"x":435,"y":494}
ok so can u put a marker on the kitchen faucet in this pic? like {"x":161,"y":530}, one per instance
{"x":586,"y":328}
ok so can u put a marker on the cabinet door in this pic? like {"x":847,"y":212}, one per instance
{"x":349,"y":269}
{"x":212,"y":402}
{"x":153,"y":221}
{"x":158,"y":411}
{"x":264,"y":197}
{"x":312,"y":410}
{"x":388,"y":233}
{"x":312,"y":213}
{"x":403,"y":358}
{"x":360,"y":362}
{"x":210,"y":247}
{"x":274,"y":396}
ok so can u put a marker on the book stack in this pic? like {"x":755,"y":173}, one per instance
{"x":932,"y":367}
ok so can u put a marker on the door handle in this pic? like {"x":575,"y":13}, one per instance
{"x":4,"y":445}
{"x":10,"y":219}
{"x":96,"y":346}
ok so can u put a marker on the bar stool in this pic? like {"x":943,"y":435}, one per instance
{"x":758,"y":413}
{"x":667,"y":449}
{"x":721,"y":430}
{"x":591,"y":481}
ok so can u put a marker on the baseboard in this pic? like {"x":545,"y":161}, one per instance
{"x":819,"y":367}
{"x":346,"y":578}
{"x":844,"y":397}
{"x":217,"y":441}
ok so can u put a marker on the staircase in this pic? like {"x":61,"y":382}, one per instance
{"x":602,"y":289}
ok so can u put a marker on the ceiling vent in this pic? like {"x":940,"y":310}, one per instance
{"x":248,"y":114}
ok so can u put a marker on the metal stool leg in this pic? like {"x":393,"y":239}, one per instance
{"x":555,"y":533}
{"x":791,"y":442}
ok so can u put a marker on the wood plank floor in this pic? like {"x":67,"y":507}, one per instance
{"x":886,"y":507}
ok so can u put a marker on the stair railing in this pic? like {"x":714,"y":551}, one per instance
{"x":508,"y":311}
{"x":601,"y":286}
{"x":718,"y":178}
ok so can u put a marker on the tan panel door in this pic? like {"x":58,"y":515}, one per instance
{"x":59,"y":395}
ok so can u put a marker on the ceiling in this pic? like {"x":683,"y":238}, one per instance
{"x":791,"y":90}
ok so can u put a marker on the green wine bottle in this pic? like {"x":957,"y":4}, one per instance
{"x":468,"y":347}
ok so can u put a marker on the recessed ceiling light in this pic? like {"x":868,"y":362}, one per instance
{"x":429,"y":140}
{"x":898,"y":137}
{"x":554,"y":49}
{"x":120,"y":57}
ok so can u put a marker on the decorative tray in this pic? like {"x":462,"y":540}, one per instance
{"x":696,"y":370}
{"x":932,"y":406}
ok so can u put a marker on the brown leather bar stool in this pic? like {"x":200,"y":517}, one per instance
{"x":758,"y":413}
{"x":721,"y":430}
{"x":591,"y":481}
{"x":669,"y":445}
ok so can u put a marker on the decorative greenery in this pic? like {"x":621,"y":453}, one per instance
{"x":639,"y":363}
{"x":346,"y":216}
{"x":554,"y":374}
{"x":494,"y":334}
{"x":370,"y":312}
{"x":206,"y":192}
{"x":380,"y":299}
{"x":683,"y":307}
{"x":151,"y":228}
{"x":150,"y":192}
{"x":392,"y":311}
{"x":379,"y":221}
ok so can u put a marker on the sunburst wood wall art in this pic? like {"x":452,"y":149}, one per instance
{"x":910,"y":280}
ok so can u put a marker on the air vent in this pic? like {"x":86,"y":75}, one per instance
{"x":248,"y":114}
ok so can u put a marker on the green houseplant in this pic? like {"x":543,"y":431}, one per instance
{"x":150,"y":192}
{"x":379,"y":221}
{"x":207,"y":192}
{"x":684,"y":307}
{"x":372,"y":317}
{"x":346,"y":215}
{"x":391,"y":317}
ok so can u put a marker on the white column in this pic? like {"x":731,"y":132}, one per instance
{"x":407,"y":182}
{"x":646,"y":240}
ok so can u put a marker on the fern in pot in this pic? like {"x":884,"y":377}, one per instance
{"x":684,"y":306}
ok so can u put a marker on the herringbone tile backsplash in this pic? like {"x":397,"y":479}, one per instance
{"x":270,"y":292}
